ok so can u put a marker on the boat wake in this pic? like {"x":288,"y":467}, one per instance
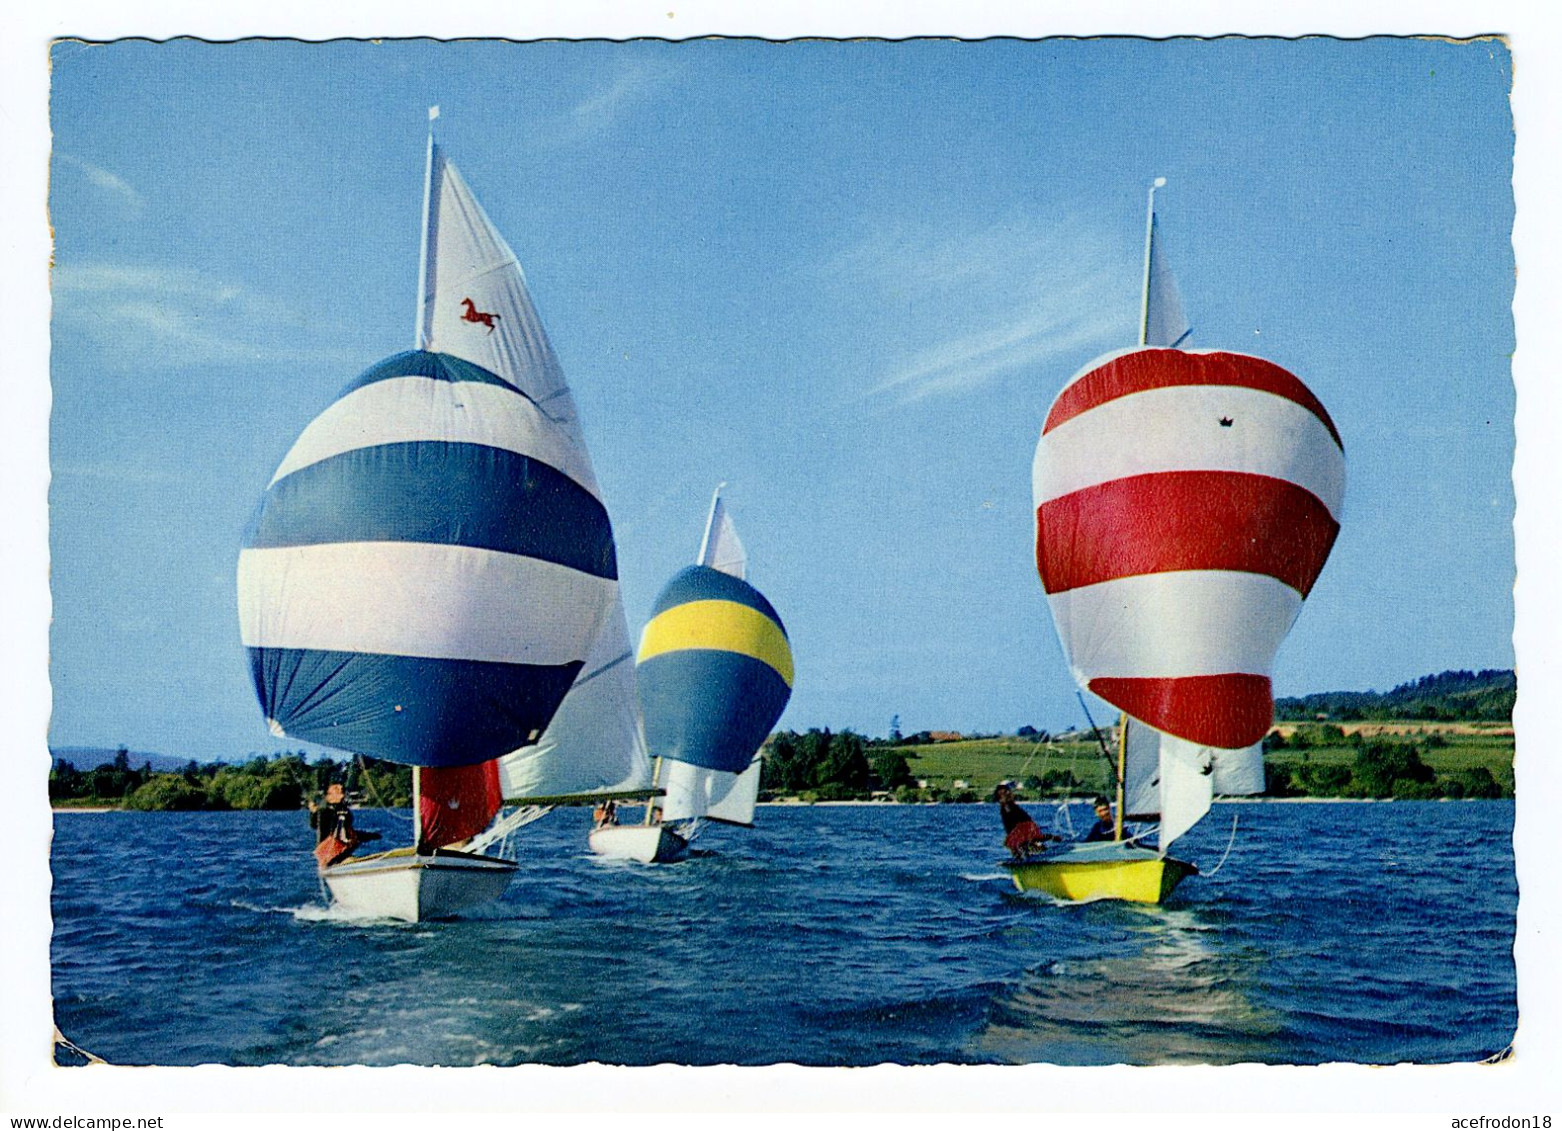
{"x":1177,"y":998}
{"x":985,"y":877}
{"x":336,"y":913}
{"x":261,"y":909}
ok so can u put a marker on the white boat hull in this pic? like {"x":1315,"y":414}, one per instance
{"x":649,"y":844}
{"x":404,"y":885}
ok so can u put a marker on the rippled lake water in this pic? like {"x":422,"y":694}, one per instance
{"x":826,"y":935}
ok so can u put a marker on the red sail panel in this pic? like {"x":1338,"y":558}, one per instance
{"x":457,"y":802}
{"x":1141,"y":370}
{"x":1183,"y":520}
{"x":1228,"y":711}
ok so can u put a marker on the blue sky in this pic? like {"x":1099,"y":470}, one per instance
{"x":847,"y":279}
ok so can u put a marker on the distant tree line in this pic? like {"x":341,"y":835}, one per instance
{"x":277,"y":781}
{"x":1451,"y":696}
{"x":1380,"y":768}
{"x":825,"y":765}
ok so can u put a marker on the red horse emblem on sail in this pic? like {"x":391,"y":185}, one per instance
{"x":472,"y":314}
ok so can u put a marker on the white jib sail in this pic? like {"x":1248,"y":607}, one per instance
{"x":595,"y":741}
{"x":1177,"y":780}
{"x":721,"y":549}
{"x":693,"y":791}
{"x":1187,"y":786}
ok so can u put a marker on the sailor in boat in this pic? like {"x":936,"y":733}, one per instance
{"x":1022,"y":836}
{"x":333,"y":823}
{"x":606,"y":813}
{"x":1105,"y":827}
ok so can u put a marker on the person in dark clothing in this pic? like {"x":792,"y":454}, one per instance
{"x":335,"y":818}
{"x":1105,"y":827}
{"x":1022,"y":836}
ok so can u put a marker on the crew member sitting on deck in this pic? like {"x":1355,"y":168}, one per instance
{"x":1105,"y":827}
{"x":606,"y":813}
{"x":1022,"y":836}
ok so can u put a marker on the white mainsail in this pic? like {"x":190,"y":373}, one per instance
{"x":475,"y":305}
{"x":1141,"y":771}
{"x":1164,"y":321}
{"x":721,"y":548}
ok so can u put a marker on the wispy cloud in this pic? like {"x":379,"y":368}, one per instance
{"x":111,"y":183}
{"x":144,"y":312}
{"x":1025,"y":341}
{"x":599,"y":112}
{"x":982,"y":300}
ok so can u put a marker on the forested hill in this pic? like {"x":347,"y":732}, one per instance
{"x":1448,"y":696}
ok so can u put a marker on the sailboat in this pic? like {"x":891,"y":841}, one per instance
{"x":1186,"y":501}
{"x":432,"y":573}
{"x":715,"y":673}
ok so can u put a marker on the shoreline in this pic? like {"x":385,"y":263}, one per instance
{"x":794,"y":803}
{"x":1256,"y":800}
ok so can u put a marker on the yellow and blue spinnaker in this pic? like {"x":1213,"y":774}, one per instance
{"x":714,"y":670}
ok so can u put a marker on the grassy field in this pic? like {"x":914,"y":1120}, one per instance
{"x":982,"y":763}
{"x":1467,"y":750}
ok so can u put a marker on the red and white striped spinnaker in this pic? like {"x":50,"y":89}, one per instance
{"x":1186,"y":501}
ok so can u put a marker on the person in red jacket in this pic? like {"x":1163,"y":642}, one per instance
{"x":1022,"y":836}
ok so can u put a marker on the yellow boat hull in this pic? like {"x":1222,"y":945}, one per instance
{"x":1088,"y":872}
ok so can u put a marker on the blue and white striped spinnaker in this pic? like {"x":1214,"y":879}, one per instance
{"x":432,"y":563}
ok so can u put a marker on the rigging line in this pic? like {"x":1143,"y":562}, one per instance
{"x":607,"y":667}
{"x":1044,"y":761}
{"x":1226,"y":853}
{"x":368,"y":777}
{"x":1111,"y":763}
{"x":1062,"y":809}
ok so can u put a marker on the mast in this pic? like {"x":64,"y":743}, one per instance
{"x":417,"y":808}
{"x":1122,"y":771}
{"x":420,"y":339}
{"x":650,"y":802}
{"x":1149,"y":235}
{"x":710,"y":523}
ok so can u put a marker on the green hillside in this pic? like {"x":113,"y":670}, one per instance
{"x":1446,"y":697}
